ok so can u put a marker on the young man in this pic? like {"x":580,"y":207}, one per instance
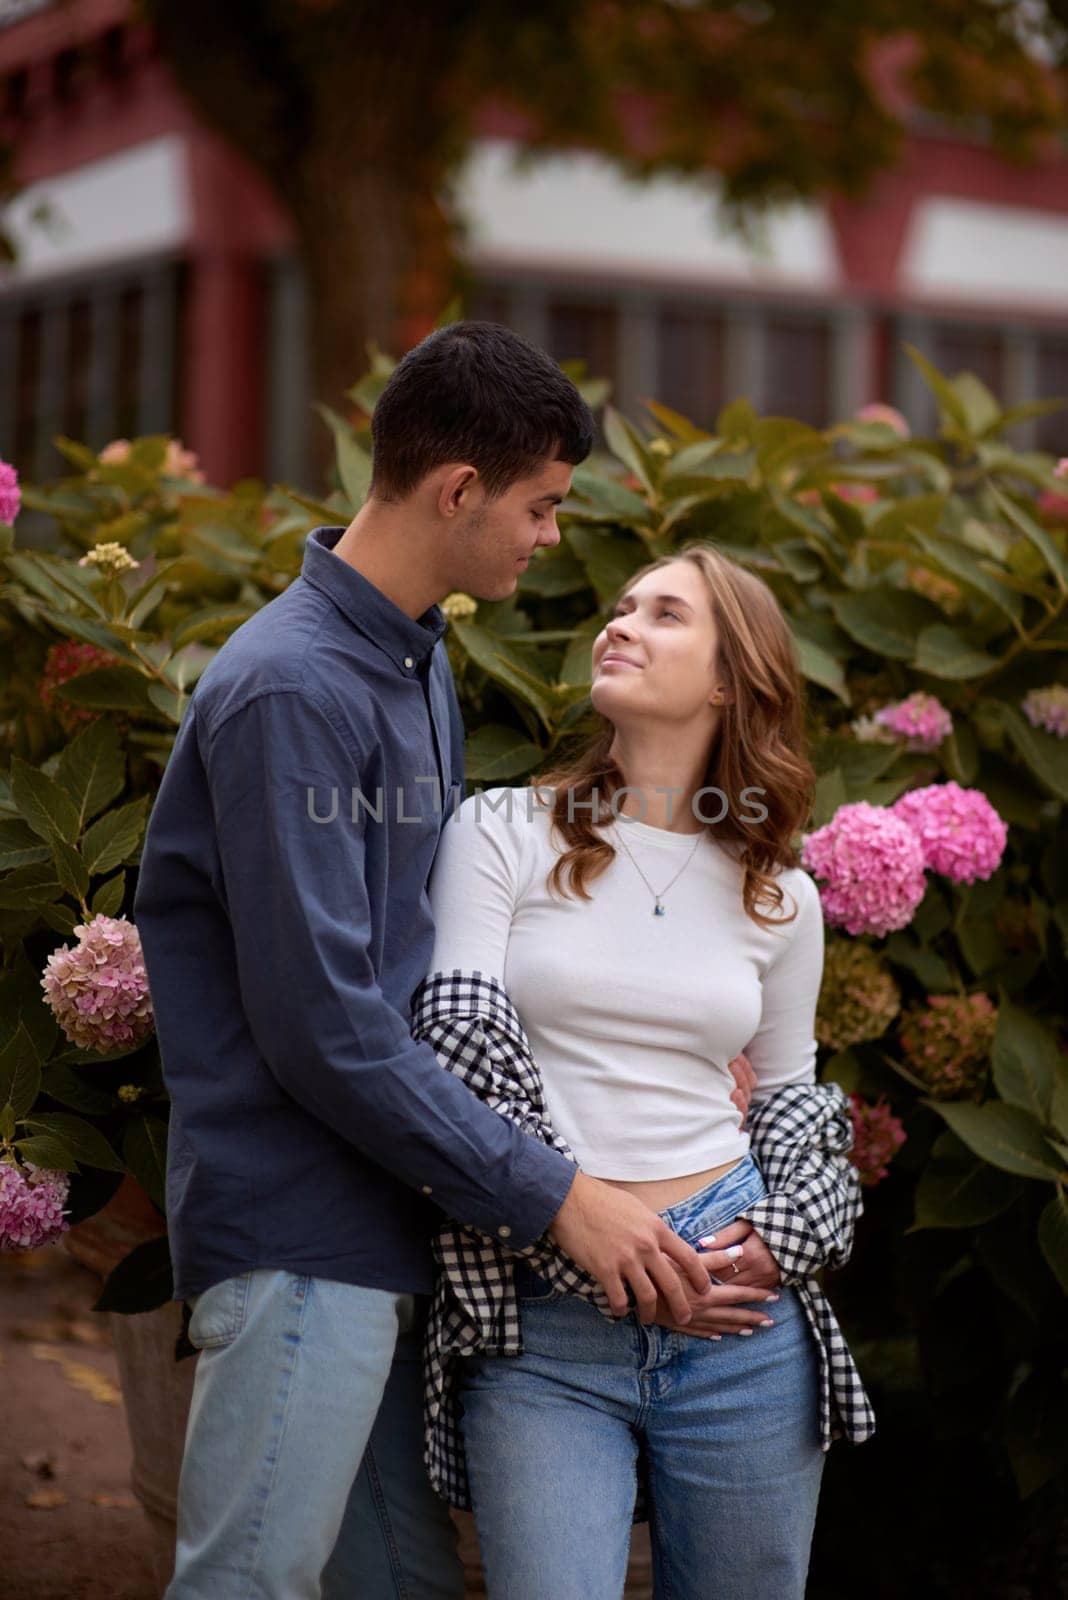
{"x":283,"y":913}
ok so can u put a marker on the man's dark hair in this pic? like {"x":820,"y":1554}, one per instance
{"x":479,"y":393}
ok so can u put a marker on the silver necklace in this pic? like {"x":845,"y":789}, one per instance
{"x":659,"y":910}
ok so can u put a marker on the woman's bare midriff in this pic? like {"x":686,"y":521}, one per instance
{"x":660,"y":1193}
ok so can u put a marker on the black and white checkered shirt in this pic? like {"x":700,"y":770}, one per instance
{"x":800,"y":1138}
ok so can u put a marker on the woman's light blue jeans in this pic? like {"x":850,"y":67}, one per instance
{"x":725,"y":1434}
{"x":303,"y":1472}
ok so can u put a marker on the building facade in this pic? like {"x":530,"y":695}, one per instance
{"x":156,"y":286}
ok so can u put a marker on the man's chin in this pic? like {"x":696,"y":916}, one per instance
{"x":496,"y":591}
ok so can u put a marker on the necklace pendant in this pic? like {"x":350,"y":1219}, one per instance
{"x":659,"y":910}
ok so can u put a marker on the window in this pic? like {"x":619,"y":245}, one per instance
{"x":691,"y":378}
{"x":797,"y":367}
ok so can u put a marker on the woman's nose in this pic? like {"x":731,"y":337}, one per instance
{"x":618,"y":628}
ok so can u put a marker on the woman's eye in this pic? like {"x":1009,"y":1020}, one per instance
{"x":672,"y":614}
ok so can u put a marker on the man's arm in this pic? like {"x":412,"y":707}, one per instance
{"x":297,"y":899}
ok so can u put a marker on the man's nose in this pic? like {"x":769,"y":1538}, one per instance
{"x":550,"y":535}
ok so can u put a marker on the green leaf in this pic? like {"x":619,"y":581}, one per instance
{"x":960,"y":563}
{"x":885,"y":621}
{"x":819,"y":666}
{"x":1044,"y":753}
{"x":946,"y":654}
{"x":115,"y":836}
{"x":144,"y":1147}
{"x":1004,"y":1135}
{"x":20,"y":846}
{"x":109,"y":689}
{"x":353,"y":464}
{"x":981,"y":410}
{"x":498,"y":661}
{"x":958,"y":1190}
{"x":101,"y":634}
{"x":22,"y":1002}
{"x":208,"y":623}
{"x":61,"y":918}
{"x":42,"y":804}
{"x":493,"y":753}
{"x":1025,"y":1058}
{"x":830,"y":793}
{"x":950,"y":404}
{"x":92,"y":769}
{"x":609,"y":499}
{"x":30,"y":888}
{"x":107,"y":901}
{"x":142,"y":1281}
{"x":961,"y":753}
{"x":626,"y":444}
{"x":1035,"y":533}
{"x":85,"y":1142}
{"x":53,"y":581}
{"x":1053,"y":1236}
{"x":553,"y":572}
{"x":71,"y":870}
{"x":1059,"y":1097}
{"x":611,"y":560}
{"x":170,"y":701}
{"x":60,"y":1082}
{"x":44,"y":1150}
{"x":20,"y":1073}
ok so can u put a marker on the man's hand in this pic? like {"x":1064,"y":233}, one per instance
{"x":745,"y":1079}
{"x":621,"y":1243}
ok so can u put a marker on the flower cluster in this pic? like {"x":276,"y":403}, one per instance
{"x":1061,"y":469}
{"x":859,"y":998}
{"x":1048,"y":708}
{"x":872,"y":865}
{"x":869,"y":730}
{"x":31,"y":1206}
{"x":98,"y":990}
{"x":947,"y":1043}
{"x":961,"y":834}
{"x":458,"y":606}
{"x":178,"y":462}
{"x":921,"y":719}
{"x":877,"y":1137}
{"x":10,"y":493}
{"x":876,"y":411}
{"x":111,"y":559}
{"x":63,"y":662}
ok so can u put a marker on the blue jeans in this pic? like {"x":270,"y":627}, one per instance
{"x":726,"y":1435}
{"x":303,"y":1472}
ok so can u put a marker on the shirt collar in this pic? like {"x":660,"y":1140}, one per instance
{"x":406,"y":641}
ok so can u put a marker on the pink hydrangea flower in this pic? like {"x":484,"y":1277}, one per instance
{"x":10,"y":493}
{"x":98,"y":990}
{"x":890,"y":415}
{"x":921,"y":719}
{"x":182,"y":463}
{"x":64,"y":661}
{"x":960,"y":833}
{"x":117,"y":451}
{"x":1061,"y":469}
{"x":1048,"y":708}
{"x":862,"y":494}
{"x":877,"y":1137}
{"x":31,"y":1206}
{"x":871,"y":864}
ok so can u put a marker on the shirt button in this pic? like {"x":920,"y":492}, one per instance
{"x":504,"y":1232}
{"x":427,"y":1189}
{"x":409,"y":662}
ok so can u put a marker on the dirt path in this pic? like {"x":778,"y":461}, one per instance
{"x":69,"y":1527}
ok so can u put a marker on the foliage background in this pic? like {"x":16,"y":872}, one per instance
{"x":937,"y":564}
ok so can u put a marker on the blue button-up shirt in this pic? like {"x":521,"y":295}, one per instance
{"x":285,"y":923}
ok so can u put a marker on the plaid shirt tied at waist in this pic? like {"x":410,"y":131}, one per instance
{"x":800,"y":1138}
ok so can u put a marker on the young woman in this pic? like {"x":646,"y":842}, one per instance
{"x":643,"y":911}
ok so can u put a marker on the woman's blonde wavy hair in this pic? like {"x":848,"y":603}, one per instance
{"x":760,"y":743}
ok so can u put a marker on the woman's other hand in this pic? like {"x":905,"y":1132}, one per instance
{"x":737,"y":1303}
{"x":745,"y":1081}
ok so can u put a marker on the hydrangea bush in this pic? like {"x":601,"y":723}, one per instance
{"x":926,"y":583}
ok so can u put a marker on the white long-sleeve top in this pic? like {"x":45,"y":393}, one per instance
{"x":632,"y":1018}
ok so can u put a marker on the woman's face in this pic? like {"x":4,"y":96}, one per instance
{"x":657,"y":657}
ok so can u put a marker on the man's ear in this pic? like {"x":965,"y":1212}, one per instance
{"x":455,"y":490}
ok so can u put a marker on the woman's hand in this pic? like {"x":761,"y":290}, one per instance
{"x":745,"y":1081}
{"x":737,"y":1304}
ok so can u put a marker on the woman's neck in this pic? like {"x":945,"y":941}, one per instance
{"x":662,"y":782}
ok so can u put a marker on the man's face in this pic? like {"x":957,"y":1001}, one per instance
{"x":496,"y":539}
